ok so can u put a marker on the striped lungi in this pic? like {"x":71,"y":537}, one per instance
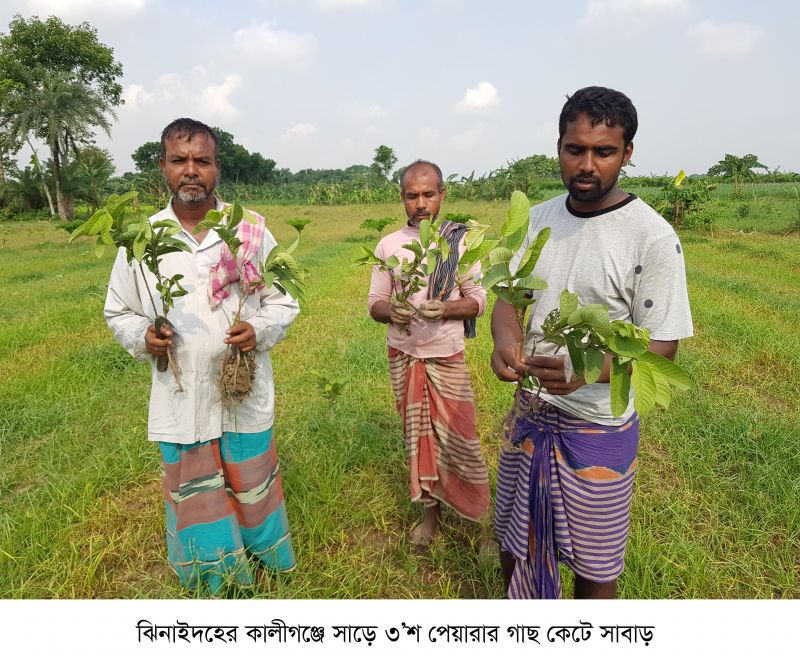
{"x":224,"y":503}
{"x":435,"y":402}
{"x":564,"y":486}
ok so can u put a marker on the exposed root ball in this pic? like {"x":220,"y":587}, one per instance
{"x":236,"y":377}
{"x":170,"y":359}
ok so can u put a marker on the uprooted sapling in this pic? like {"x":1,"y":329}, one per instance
{"x":145,"y":243}
{"x":280,"y":269}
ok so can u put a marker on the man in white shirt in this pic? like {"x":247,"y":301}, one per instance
{"x":222,"y":486}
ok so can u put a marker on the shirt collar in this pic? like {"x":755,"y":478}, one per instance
{"x":211,"y":237}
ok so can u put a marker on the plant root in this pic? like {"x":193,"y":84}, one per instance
{"x":170,"y":359}
{"x":177,"y":372}
{"x":236,"y":376}
{"x":523,"y":407}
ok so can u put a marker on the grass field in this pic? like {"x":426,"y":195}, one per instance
{"x":715,"y":512}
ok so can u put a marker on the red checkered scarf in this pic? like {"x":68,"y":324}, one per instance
{"x":225,"y":273}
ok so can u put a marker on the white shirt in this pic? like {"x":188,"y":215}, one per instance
{"x":196,"y":414}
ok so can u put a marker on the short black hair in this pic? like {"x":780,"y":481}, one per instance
{"x":601,"y":105}
{"x":421,"y":162}
{"x":186,"y":127}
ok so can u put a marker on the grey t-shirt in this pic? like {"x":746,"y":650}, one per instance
{"x":627,"y":257}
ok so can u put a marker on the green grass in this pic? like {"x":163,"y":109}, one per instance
{"x":715,"y":510}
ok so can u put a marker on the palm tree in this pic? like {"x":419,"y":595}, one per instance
{"x":60,"y":111}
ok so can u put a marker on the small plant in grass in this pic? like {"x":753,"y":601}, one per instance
{"x":586,"y":331}
{"x":411,"y":276}
{"x":280,"y":269}
{"x":146,"y":243}
{"x":329,"y":389}
{"x":299,"y":224}
{"x":377,"y":225}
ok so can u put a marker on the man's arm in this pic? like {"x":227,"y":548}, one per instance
{"x":507,"y":334}
{"x":125,"y":314}
{"x":549,"y":369}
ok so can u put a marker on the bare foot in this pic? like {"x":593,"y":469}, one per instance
{"x":424,"y":533}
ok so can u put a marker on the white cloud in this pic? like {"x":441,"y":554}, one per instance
{"x":725,"y":40}
{"x":173,"y":93}
{"x":469,"y":138}
{"x":136,"y":95}
{"x":214,"y":102}
{"x":632,"y":10}
{"x":428,"y":135}
{"x":120,"y":9}
{"x":481,"y":98}
{"x":263,"y":45}
{"x":301,"y":130}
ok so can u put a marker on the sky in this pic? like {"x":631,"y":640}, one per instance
{"x":470,"y":84}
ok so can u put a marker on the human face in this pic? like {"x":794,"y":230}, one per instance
{"x":421,"y":195}
{"x":591,"y":158}
{"x":190,"y":169}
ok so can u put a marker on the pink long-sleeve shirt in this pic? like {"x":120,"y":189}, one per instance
{"x":427,"y":338}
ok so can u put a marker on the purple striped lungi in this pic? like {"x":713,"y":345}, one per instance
{"x":563,"y":493}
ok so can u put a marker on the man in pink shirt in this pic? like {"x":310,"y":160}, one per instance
{"x":430,"y":380}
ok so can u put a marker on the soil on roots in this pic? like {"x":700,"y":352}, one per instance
{"x":237,"y":376}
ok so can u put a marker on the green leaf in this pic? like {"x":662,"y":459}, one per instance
{"x":620,"y":383}
{"x":391,"y":263}
{"x":99,"y":248}
{"x":500,"y":255}
{"x":425,"y":232}
{"x":495,"y":275}
{"x":567,"y":303}
{"x":504,"y":294}
{"x":595,"y":315}
{"x":593,"y":361}
{"x":644,"y":387}
{"x":472,"y":256}
{"x":444,"y":248}
{"x":235,"y":215}
{"x":139,"y":245}
{"x":290,"y":249}
{"x":663,"y":391}
{"x":117,"y":203}
{"x":523,"y":299}
{"x":676,"y":376}
{"x":574,"y":341}
{"x":166,"y":223}
{"x":416,"y":248}
{"x":532,"y":253}
{"x":517,"y":219}
{"x":474,"y":237}
{"x":625,"y":346}
{"x":532,"y":282}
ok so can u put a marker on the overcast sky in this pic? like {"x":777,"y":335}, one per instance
{"x":470,"y":84}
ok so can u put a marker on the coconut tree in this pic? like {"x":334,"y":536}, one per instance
{"x":60,"y":111}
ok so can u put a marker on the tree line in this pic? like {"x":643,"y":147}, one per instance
{"x":59,"y":88}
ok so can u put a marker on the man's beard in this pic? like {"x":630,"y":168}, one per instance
{"x":196,"y":197}
{"x":588,"y":195}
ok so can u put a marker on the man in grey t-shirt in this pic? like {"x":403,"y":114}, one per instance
{"x":563,"y":493}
